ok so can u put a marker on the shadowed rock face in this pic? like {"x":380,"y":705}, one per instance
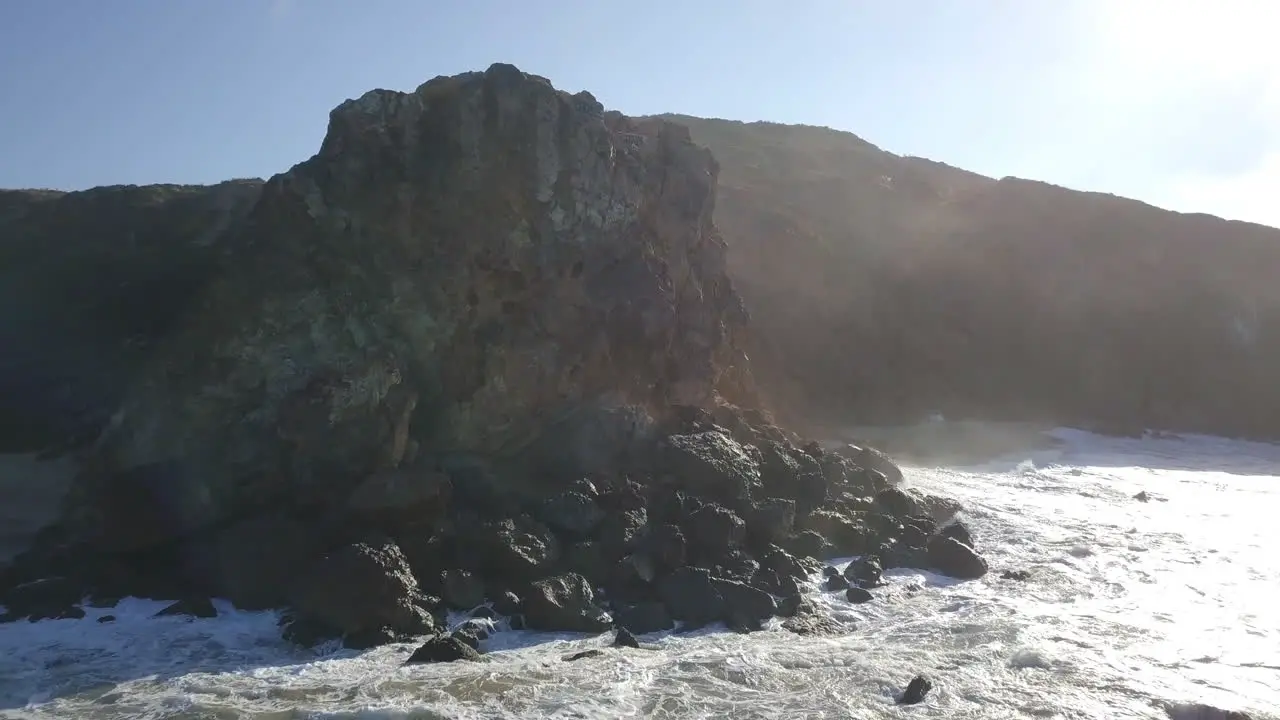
{"x":90,"y":282}
{"x":456,"y":268}
{"x":883,"y":288}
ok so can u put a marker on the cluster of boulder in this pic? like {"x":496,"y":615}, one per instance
{"x":707,"y":522}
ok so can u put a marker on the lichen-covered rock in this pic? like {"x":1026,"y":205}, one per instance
{"x":457,"y":266}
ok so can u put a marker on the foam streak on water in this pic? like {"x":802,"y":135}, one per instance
{"x":1131,"y":607}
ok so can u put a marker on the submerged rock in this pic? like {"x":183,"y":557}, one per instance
{"x":442,"y":648}
{"x":916,"y":690}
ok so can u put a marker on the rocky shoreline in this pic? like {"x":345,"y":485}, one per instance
{"x":722,"y":528}
{"x":480,"y":354}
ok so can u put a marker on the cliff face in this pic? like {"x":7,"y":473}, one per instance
{"x":89,"y":283}
{"x":457,"y":268}
{"x":883,"y":288}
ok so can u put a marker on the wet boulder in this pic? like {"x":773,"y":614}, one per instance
{"x":713,"y":465}
{"x":624,"y":638}
{"x":782,"y":562}
{"x":845,"y":535}
{"x":442,"y":648}
{"x":773,"y":583}
{"x":916,"y":691}
{"x":857,"y":595}
{"x":955,"y":559}
{"x":564,"y":603}
{"x":896,"y":503}
{"x":958,"y":531}
{"x":874,"y":459}
{"x":360,"y":587}
{"x":836,"y":582}
{"x":744,"y":606}
{"x":865,"y":572}
{"x":691,"y":596}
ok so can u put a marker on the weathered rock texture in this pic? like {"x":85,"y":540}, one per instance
{"x":481,"y":353}
{"x":455,"y":269}
{"x":883,"y":288}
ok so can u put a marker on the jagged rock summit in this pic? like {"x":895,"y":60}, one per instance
{"x":457,"y":268}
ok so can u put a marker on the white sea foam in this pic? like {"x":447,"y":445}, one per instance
{"x":1133,"y":610}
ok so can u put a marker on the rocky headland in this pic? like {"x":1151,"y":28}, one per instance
{"x":481,"y":353}
{"x":885,"y":288}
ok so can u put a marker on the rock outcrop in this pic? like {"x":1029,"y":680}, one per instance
{"x":885,"y":288}
{"x":481,"y":353}
{"x":456,"y":269}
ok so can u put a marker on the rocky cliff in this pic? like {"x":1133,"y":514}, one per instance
{"x":90,"y":282}
{"x":481,"y":352}
{"x":457,"y":268}
{"x":883,"y":288}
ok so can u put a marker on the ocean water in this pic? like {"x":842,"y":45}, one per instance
{"x":1133,"y":610}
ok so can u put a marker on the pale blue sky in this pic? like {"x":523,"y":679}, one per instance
{"x":1176,"y":102}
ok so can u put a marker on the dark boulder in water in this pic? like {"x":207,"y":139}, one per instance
{"x":583,"y":655}
{"x":858,"y":595}
{"x":361,"y":587}
{"x":916,"y":690}
{"x":958,"y":531}
{"x":952,"y":557}
{"x":865,"y":572}
{"x":442,"y":648}
{"x":624,"y":638}
{"x":743,"y":605}
{"x":1018,"y":575}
